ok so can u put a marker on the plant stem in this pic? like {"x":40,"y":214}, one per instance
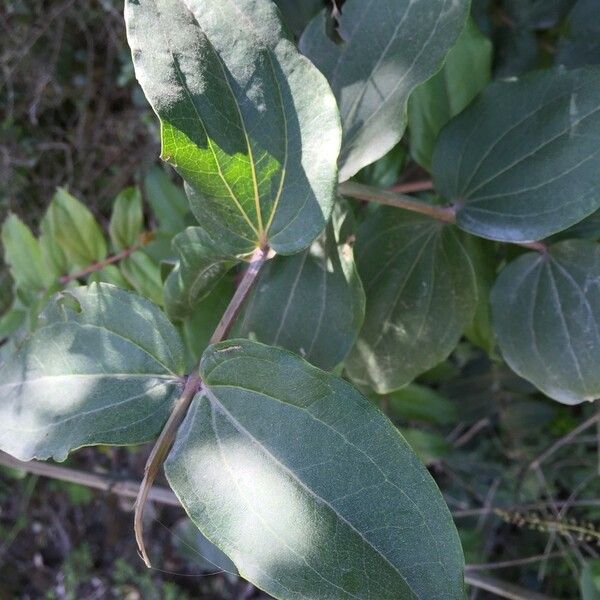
{"x":193,"y":386}
{"x":370,"y":194}
{"x":258,"y":259}
{"x":410,"y":187}
{"x":447,"y":214}
{"x":110,"y":260}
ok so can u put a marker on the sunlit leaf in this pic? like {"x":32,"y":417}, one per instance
{"x":387,"y":49}
{"x":249,"y":123}
{"x":103,"y":367}
{"x":306,"y":486}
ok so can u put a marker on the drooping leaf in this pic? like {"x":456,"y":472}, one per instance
{"x":202,"y":264}
{"x":296,"y":15}
{"x":73,"y":227}
{"x":388,"y":48}
{"x":546,"y":310}
{"x":421,"y":294}
{"x":306,"y":486}
{"x":103,"y":367}
{"x":581,"y":44}
{"x":523,"y":161}
{"x":465,"y":73}
{"x":127,"y":219}
{"x":249,"y":123}
{"x":23,"y":255}
{"x":169,"y":203}
{"x":312,"y":304}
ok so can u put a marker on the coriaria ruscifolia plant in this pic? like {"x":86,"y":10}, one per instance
{"x":287,"y":468}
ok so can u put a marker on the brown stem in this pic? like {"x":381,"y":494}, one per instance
{"x":193,"y":385}
{"x":370,"y":194}
{"x":113,"y":485}
{"x":447,"y":214}
{"x":110,"y":260}
{"x":257,"y":260}
{"x":410,"y":187}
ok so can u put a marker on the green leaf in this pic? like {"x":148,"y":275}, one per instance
{"x":546,"y":310}
{"x":419,"y":403}
{"x":202,"y":264}
{"x":75,"y":229}
{"x":589,"y":581}
{"x":249,"y":123}
{"x":10,"y":321}
{"x":23,"y":254}
{"x":523,"y":161}
{"x":312,"y":303}
{"x":465,"y":73}
{"x":169,"y":204}
{"x":421,"y":294}
{"x":429,"y":447}
{"x":588,"y":229}
{"x":103,"y":367}
{"x":581,"y":44}
{"x":306,"y":486}
{"x":127,"y":219}
{"x":296,"y":14}
{"x":143,"y":275}
{"x":386,"y":171}
{"x":388,"y":48}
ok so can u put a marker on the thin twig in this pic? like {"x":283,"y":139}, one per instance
{"x":447,"y":214}
{"x":125,"y":488}
{"x":475,"y":512}
{"x":516,"y":562}
{"x":101,"y":264}
{"x":502,"y":589}
{"x":194,"y":383}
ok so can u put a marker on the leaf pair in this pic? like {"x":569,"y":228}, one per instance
{"x":276,"y":461}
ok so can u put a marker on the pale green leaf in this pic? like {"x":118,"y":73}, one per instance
{"x":249,"y":123}
{"x":589,"y":581}
{"x":103,"y":367}
{"x":127,"y":219}
{"x":546,"y":310}
{"x":23,"y":255}
{"x":169,"y":204}
{"x":202,"y":264}
{"x":388,"y":48}
{"x":465,"y":73}
{"x":312,"y":303}
{"x":523,"y":161}
{"x":143,"y":275}
{"x":307,"y":487}
{"x":419,"y":403}
{"x":74,"y":228}
{"x":421,"y":294}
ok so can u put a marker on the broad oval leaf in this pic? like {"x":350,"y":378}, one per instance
{"x":546,"y":310}
{"x":523,"y":161}
{"x":249,"y":123}
{"x":387,"y":48}
{"x":202,"y":264}
{"x":421,"y":295}
{"x":103,"y":367}
{"x":306,"y":486}
{"x":312,"y":304}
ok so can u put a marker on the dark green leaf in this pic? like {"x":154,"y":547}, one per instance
{"x":388,"y":48}
{"x":421,"y":295}
{"x":429,"y":447}
{"x":307,"y":487}
{"x":465,"y":73}
{"x":581,"y":45}
{"x":127,"y":219}
{"x":523,"y":161}
{"x":419,"y":403}
{"x":249,"y":123}
{"x":312,"y":303}
{"x":103,"y":367}
{"x":202,"y":264}
{"x":590,"y":580}
{"x":546,"y":312}
{"x":297,"y":14}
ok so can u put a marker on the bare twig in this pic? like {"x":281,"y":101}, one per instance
{"x":516,"y":562}
{"x":474,"y":512}
{"x":502,"y":589}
